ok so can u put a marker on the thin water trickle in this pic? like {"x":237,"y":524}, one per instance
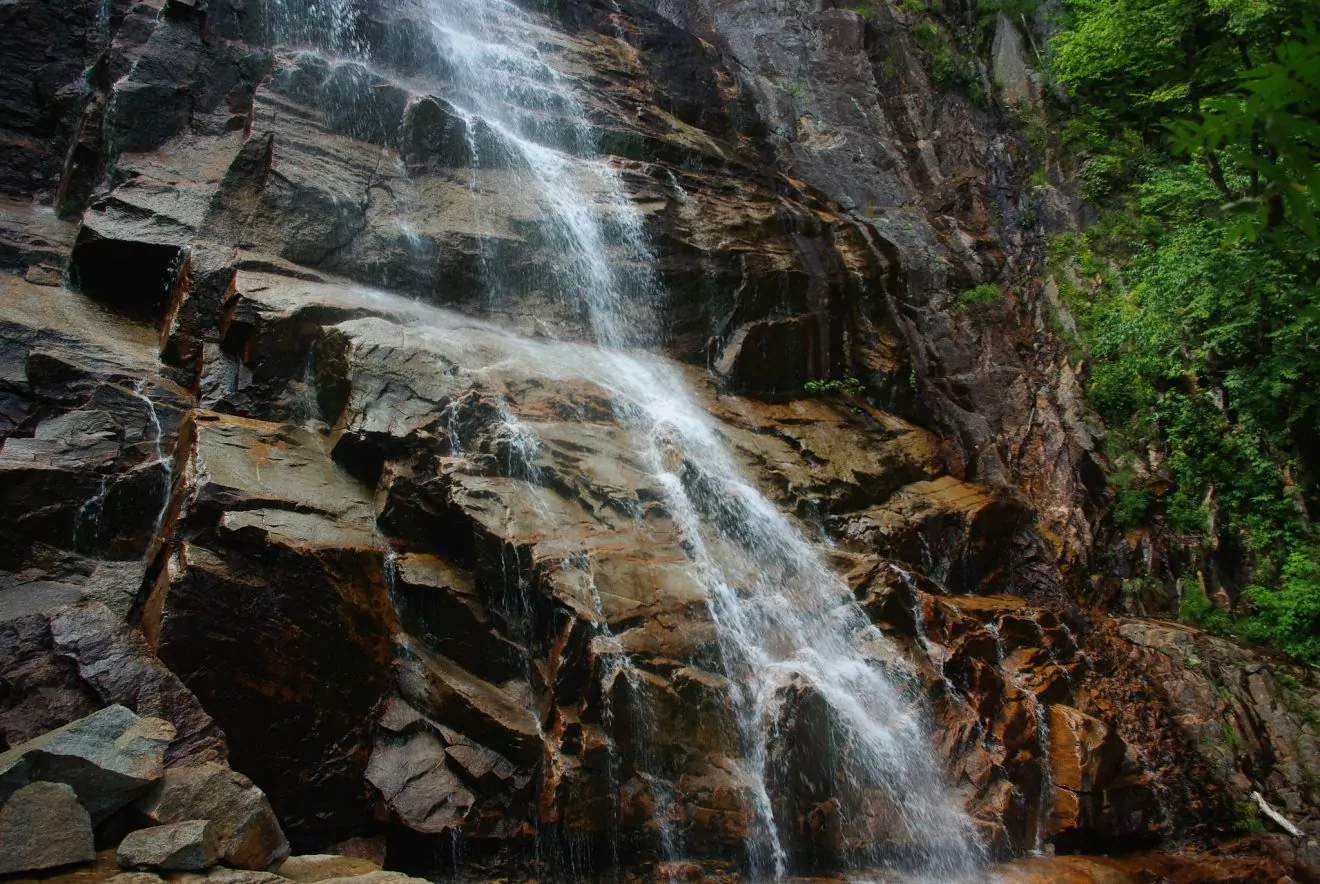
{"x":163,"y":459}
{"x":786,"y":624}
{"x":87,"y":521}
{"x":1045,"y":797}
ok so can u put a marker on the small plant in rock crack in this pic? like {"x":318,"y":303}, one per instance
{"x":834,"y":385}
{"x":1248,"y":820}
{"x":984,"y":293}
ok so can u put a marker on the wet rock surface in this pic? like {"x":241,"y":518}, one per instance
{"x":409,"y":568}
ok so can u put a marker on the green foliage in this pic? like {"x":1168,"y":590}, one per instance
{"x":1196,"y":123}
{"x":929,"y":35}
{"x":1099,"y":175}
{"x":1269,"y":125}
{"x":949,"y":70}
{"x":984,"y":293}
{"x":1130,"y":505}
{"x":824,"y":387}
{"x":1288,"y":613}
{"x":1234,"y":84}
{"x":1248,"y":818}
{"x":867,"y":10}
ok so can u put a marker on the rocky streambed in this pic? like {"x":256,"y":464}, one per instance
{"x":468,"y":491}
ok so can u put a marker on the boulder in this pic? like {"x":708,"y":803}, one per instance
{"x":247,"y":833}
{"x":43,"y":826}
{"x":116,"y":661}
{"x":320,"y":867}
{"x":108,"y":758}
{"x":60,"y":665}
{"x":187,"y":847}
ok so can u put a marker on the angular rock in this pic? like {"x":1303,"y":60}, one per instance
{"x":183,"y":847}
{"x":108,"y":758}
{"x":246,"y":832}
{"x":118,"y":663}
{"x":62,"y":665}
{"x":43,"y":826}
{"x":1076,"y":744}
{"x":413,"y":778}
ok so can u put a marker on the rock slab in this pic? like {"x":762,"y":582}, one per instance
{"x":314,"y":868}
{"x":43,"y":826}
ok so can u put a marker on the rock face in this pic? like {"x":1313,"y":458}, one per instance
{"x":42,"y":826}
{"x":305,"y":458}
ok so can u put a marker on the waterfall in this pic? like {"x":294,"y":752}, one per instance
{"x":789,"y":630}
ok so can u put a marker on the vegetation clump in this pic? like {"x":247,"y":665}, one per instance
{"x":824,"y":387}
{"x":1195,"y":126}
{"x":985,"y":293}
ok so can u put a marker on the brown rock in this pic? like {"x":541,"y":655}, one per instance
{"x":65,"y":664}
{"x":1077,"y":743}
{"x":275,"y":613}
{"x":414,"y":780}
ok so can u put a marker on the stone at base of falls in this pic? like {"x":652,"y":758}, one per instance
{"x":108,"y":758}
{"x":376,"y":878}
{"x":247,"y":833}
{"x":320,"y":867}
{"x":217,"y":875}
{"x":43,"y":826}
{"x":186,"y":847}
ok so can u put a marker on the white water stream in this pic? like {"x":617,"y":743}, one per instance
{"x":786,"y":623}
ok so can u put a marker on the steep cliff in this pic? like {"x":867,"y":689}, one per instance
{"x":308,"y":402}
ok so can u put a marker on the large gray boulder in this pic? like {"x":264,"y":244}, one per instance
{"x":247,"y":833}
{"x":180,"y":847}
{"x":109,"y":758}
{"x":42,"y":826}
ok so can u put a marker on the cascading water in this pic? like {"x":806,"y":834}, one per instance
{"x":788,"y":628}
